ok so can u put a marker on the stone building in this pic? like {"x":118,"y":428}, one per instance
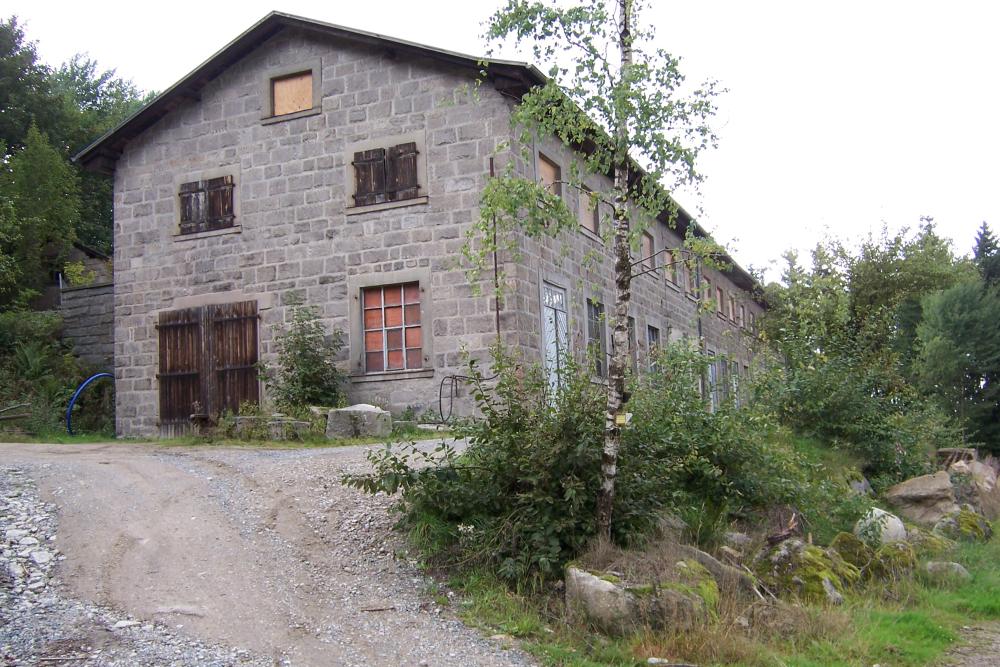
{"x":310,"y":161}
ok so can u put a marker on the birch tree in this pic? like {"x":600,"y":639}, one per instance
{"x":623,"y":105}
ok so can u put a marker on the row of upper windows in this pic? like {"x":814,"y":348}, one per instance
{"x":381,"y":175}
{"x":550,"y":175}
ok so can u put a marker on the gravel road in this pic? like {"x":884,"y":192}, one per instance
{"x":115,"y":554}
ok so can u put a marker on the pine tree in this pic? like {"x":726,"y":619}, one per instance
{"x":986,"y":255}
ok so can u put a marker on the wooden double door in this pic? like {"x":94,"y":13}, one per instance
{"x":208,"y":363}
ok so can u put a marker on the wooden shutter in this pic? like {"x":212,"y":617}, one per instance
{"x":180,"y":374}
{"x":192,"y":203}
{"x":219,"y":193}
{"x":401,"y":172}
{"x":234,"y":355}
{"x":369,"y":177}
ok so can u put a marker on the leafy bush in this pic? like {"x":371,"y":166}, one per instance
{"x":521,"y":498}
{"x":306,"y":372}
{"x":37,"y":369}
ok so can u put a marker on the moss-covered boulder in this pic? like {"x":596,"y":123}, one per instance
{"x":700,"y":582}
{"x":617,"y":607}
{"x":928,"y":543}
{"x":852,"y":549}
{"x":892,"y":562}
{"x":806,"y":571}
{"x":966,"y":525}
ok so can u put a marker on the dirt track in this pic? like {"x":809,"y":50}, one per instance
{"x":255,"y":549}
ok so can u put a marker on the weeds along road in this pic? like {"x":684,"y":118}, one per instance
{"x":255,"y":549}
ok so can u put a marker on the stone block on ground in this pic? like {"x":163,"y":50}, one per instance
{"x":357,"y":421}
{"x":288,"y":429}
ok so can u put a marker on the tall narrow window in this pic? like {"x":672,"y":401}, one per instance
{"x":597,"y":342}
{"x":732,"y":308}
{"x":206,"y":205}
{"x":555,"y":333}
{"x":743,"y":316}
{"x":706,"y":290}
{"x":588,"y":212}
{"x":393,"y":334}
{"x":674,"y":268}
{"x":632,"y":345}
{"x":292,"y":93}
{"x":713,"y":381}
{"x":648,"y":250}
{"x":720,"y":301}
{"x":386,"y":174}
{"x":652,"y":345}
{"x":550,"y":175}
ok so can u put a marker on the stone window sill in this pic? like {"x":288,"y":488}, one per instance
{"x":358,"y":210}
{"x":672,"y":285}
{"x":392,"y":375}
{"x":235,"y":229}
{"x":270,"y":120}
{"x":591,"y":235}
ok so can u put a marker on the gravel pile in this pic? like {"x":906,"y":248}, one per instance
{"x":41,"y":625}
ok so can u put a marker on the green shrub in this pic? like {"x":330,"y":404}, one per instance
{"x":306,"y":372}
{"x":521,"y":498}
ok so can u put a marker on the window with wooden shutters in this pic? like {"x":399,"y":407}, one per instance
{"x":392,"y":328}
{"x":386,"y":174}
{"x":206,"y":205}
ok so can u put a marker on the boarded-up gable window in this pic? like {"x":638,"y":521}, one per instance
{"x":292,"y":93}
{"x":386,"y":175}
{"x":206,"y":205}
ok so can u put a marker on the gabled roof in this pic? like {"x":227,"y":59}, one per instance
{"x":508,"y":76}
{"x":512,"y":76}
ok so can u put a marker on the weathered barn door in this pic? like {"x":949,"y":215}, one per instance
{"x":208,"y":358}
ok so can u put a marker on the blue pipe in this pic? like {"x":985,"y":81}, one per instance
{"x":76,"y":395}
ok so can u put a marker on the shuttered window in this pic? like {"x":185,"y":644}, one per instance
{"x":386,"y":174}
{"x":392,"y":328}
{"x":206,"y":205}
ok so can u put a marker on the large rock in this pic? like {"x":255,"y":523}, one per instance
{"x":729,"y":578}
{"x":356,"y":421}
{"x":616,"y":609}
{"x":879,"y":527}
{"x":806,"y":571}
{"x":965,"y":524}
{"x":983,"y":476}
{"x":975,"y":483}
{"x":925,"y":499}
{"x":946,"y":571}
{"x":948,"y":455}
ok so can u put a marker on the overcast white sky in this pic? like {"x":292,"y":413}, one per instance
{"x":840,"y":116}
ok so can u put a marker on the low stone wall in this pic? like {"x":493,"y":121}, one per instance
{"x":89,"y":323}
